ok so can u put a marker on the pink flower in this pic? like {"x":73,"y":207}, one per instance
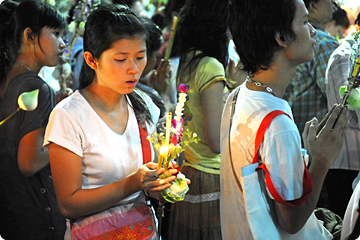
{"x":173,"y":122}
{"x":183,"y":88}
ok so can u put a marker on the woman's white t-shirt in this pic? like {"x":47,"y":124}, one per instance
{"x":106,"y":155}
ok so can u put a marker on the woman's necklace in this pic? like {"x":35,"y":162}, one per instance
{"x":268,"y":89}
{"x":23,"y":65}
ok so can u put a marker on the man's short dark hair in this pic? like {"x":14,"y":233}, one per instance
{"x":254,"y":24}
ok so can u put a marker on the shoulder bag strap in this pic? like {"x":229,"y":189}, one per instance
{"x":145,"y":144}
{"x":232,"y":111}
{"x":307,"y":184}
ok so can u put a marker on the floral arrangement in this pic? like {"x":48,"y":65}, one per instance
{"x":27,"y":101}
{"x":350,"y":93}
{"x":170,"y":145}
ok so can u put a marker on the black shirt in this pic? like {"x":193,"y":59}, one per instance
{"x":28,"y":207}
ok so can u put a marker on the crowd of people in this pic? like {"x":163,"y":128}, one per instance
{"x":278,"y":156}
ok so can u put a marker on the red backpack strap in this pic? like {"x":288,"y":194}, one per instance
{"x":145,"y":144}
{"x":307,"y":184}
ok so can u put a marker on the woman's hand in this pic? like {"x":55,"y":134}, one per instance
{"x":160,"y":78}
{"x":148,"y":179}
{"x":234,"y":73}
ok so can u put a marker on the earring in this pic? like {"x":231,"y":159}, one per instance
{"x":313,"y":32}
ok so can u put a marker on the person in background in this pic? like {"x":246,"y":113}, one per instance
{"x":164,"y":19}
{"x":338,"y":23}
{"x":203,"y":47}
{"x":347,"y":165}
{"x":30,"y":38}
{"x":270,"y":53}
{"x":155,"y":82}
{"x":93,"y":136}
{"x":136,"y":5}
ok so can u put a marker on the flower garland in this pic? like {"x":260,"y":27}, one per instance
{"x":170,"y":148}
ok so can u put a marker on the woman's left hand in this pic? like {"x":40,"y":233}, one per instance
{"x":150,"y":181}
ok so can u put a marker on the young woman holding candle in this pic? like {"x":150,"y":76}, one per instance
{"x":203,"y":42}
{"x":30,"y":38}
{"x":95,"y":141}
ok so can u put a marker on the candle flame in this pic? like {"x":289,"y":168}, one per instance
{"x":164,"y":149}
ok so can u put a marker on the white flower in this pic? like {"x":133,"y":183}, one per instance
{"x":178,"y":188}
{"x":28,"y":101}
{"x":194,"y":135}
{"x":62,"y":71}
{"x":72,"y":27}
{"x":66,"y":71}
{"x":182,"y":97}
{"x":51,"y":2}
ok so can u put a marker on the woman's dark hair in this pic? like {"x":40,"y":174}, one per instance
{"x":254,"y":24}
{"x":202,"y":27}
{"x":105,"y":26}
{"x":155,"y":38}
{"x":340,"y":17}
{"x":165,"y":17}
{"x":28,"y":14}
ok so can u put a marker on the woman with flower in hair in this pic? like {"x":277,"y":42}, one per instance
{"x":30,"y":38}
{"x":203,"y":43}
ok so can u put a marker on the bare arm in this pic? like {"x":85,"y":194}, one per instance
{"x":75,"y":202}
{"x":32,"y":157}
{"x":213,"y":104}
{"x":323,"y":148}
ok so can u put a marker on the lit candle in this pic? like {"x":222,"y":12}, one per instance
{"x":162,"y":151}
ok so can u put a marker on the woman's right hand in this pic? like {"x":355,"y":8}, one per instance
{"x":160,"y":79}
{"x":235,"y":74}
{"x":148,"y":180}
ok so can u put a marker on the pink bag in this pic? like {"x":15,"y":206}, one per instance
{"x":132,"y":221}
